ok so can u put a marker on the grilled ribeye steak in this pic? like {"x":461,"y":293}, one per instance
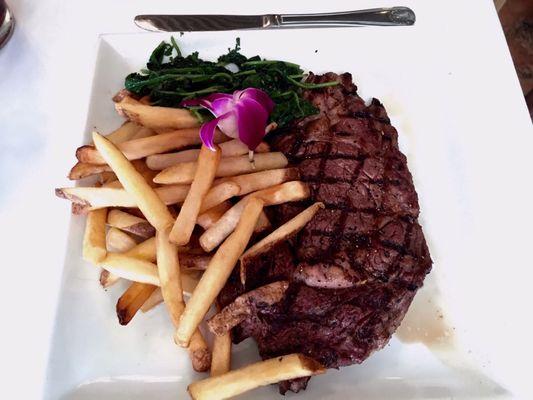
{"x":354,"y":269}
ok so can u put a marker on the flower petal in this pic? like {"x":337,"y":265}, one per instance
{"x":205,"y":101}
{"x":228,"y":125}
{"x":259,"y":96}
{"x":221,"y":106}
{"x":207,"y":131}
{"x":251,"y":118}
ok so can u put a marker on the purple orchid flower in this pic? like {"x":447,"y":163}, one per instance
{"x":242,"y":115}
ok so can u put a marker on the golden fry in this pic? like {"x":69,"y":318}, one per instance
{"x":131,"y":301}
{"x":154,"y":300}
{"x":230,"y":148}
{"x":172,"y":292}
{"x":199,"y":352}
{"x":261,"y":180}
{"x":169,"y":274}
{"x":263,"y":223}
{"x":217,"y":273}
{"x":94,"y":242}
{"x":118,"y":241}
{"x":143,"y":133}
{"x":83,"y":170}
{"x":221,"y":354}
{"x":255,"y":375}
{"x":208,"y":218}
{"x":146,"y":198}
{"x":283,"y":233}
{"x":189,"y":280}
{"x":130,"y":268}
{"x":106,"y":177}
{"x":205,"y":174}
{"x":286,"y":192}
{"x":219,"y":194}
{"x":145,"y":250}
{"x":130,"y":223}
{"x":124,"y":133}
{"x":139,"y":148}
{"x":229,"y":166}
{"x":157,"y":117}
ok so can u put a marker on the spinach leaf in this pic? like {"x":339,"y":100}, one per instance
{"x":170,"y":78}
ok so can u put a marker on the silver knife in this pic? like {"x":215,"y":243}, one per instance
{"x":394,"y":16}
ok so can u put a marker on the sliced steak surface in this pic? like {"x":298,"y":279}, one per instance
{"x":354,"y":269}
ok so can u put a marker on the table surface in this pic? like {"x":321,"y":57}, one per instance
{"x":45,"y":79}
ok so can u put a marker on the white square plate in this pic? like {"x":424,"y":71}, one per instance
{"x":454,"y":341}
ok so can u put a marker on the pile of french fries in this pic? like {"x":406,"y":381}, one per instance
{"x":174,"y":218}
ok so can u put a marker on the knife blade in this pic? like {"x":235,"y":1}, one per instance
{"x":394,"y":16}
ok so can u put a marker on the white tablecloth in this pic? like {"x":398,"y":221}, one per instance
{"x":45,"y":78}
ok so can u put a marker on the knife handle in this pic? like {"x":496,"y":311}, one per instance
{"x":394,"y":16}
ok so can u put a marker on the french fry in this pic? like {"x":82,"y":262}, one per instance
{"x":173,"y":194}
{"x":131,"y":301}
{"x":145,"y":100}
{"x":143,"y":132}
{"x":230,"y":148}
{"x":122,"y":242}
{"x":261,"y":180}
{"x":255,"y":375}
{"x":169,"y":274}
{"x":130,"y":268}
{"x":107,"y":279}
{"x":158,"y":162}
{"x":106,"y":177}
{"x":95,"y":198}
{"x":144,"y":251}
{"x":91,"y":198}
{"x":94,"y":241}
{"x":263,"y":223}
{"x":124,"y":133}
{"x":286,"y":192}
{"x":148,"y":175}
{"x":208,"y":161}
{"x":199,"y":352}
{"x":118,"y":241}
{"x":194,"y":262}
{"x":229,"y":166}
{"x":221,"y":354}
{"x":139,"y":148}
{"x":172,"y":291}
{"x":83,"y":170}
{"x":142,"y":271}
{"x":190,"y":262}
{"x":146,"y":198}
{"x":153,"y":301}
{"x":217,"y":272}
{"x":124,"y":95}
{"x":157,"y":117}
{"x":219,"y":194}
{"x":113,"y":183}
{"x":130,"y":223}
{"x":208,"y":218}
{"x":189,"y":280}
{"x":283,"y":233}
{"x":244,"y":305}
